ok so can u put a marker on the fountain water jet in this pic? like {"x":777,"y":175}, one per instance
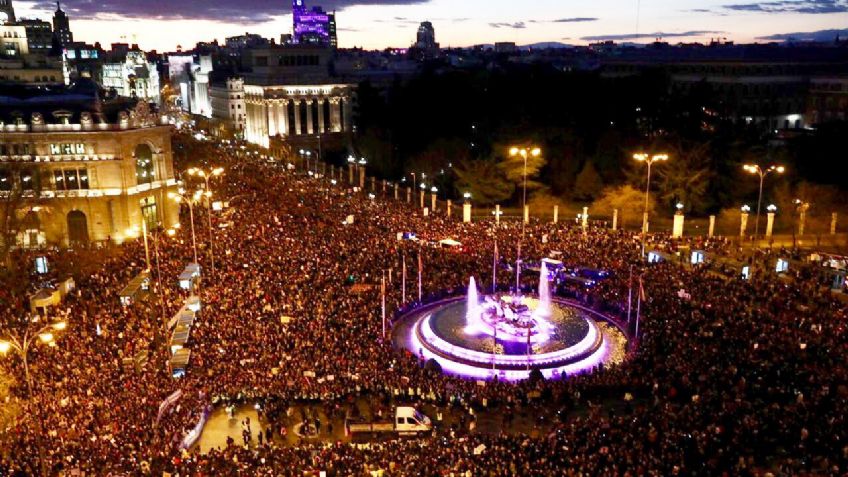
{"x":543,"y":310}
{"x":472,"y":308}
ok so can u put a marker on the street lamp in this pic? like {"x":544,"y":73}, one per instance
{"x":756,"y":169}
{"x":20,"y":345}
{"x":524,"y":152}
{"x":183,"y":196}
{"x":207,"y":176}
{"x":649,"y":160}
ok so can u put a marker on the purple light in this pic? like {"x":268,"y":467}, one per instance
{"x":487,"y":358}
{"x":481,"y":363}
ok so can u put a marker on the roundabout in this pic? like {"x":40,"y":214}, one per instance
{"x":507,"y":335}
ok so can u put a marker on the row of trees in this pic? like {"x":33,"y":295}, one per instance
{"x":457,"y":127}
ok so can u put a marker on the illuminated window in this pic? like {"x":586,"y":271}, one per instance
{"x":55,"y":149}
{"x":5,"y":180}
{"x":144,"y":170}
{"x":59,"y":180}
{"x":83,"y":178}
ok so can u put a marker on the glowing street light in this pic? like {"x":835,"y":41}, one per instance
{"x":20,"y":345}
{"x":524,"y":152}
{"x":182,"y":196}
{"x":649,"y":160}
{"x":757,"y":170}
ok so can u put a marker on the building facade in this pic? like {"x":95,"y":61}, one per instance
{"x":228,"y":104}
{"x":79,"y":176}
{"x":39,"y":35}
{"x":131,"y":75}
{"x":291,"y":111}
{"x":827,"y":100}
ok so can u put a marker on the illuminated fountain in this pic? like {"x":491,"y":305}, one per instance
{"x":509,"y":317}
{"x":508,"y":335}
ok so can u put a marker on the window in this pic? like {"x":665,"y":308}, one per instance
{"x":5,"y":180}
{"x":28,"y":179}
{"x":59,"y":180}
{"x":83,"y":178}
{"x":71,"y":179}
{"x":144,"y":170}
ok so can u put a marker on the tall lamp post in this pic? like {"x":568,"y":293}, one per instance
{"x":207,"y":176}
{"x":21,"y":345}
{"x":524,"y":152}
{"x":756,"y":169}
{"x":182,"y":196}
{"x":649,"y":160}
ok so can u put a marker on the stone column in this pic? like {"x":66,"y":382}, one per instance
{"x":335,"y":115}
{"x":373,"y":184}
{"x":497,"y":214}
{"x":433,"y":201}
{"x":450,"y":206}
{"x":421,"y":198}
{"x":362,"y":178}
{"x":677,"y":228}
{"x":273,"y":126}
{"x":283,"y":112}
{"x":614,"y":220}
{"x":466,"y":212}
{"x":348,"y":115}
{"x":409,"y":195}
{"x":297,"y":129}
{"x":712,"y":226}
{"x":350,"y":174}
{"x":744,"y":225}
{"x":384,"y":186}
{"x":396,"y":191}
{"x":526,"y":214}
{"x":833,"y":223}
{"x":310,"y":126}
{"x":556,"y":213}
{"x":321,"y":126}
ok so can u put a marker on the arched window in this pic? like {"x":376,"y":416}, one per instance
{"x":144,"y":170}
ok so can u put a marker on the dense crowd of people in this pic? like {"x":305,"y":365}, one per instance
{"x":732,"y":377}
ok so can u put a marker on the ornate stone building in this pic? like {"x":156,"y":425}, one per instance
{"x":291,"y":111}
{"x":84,"y":172}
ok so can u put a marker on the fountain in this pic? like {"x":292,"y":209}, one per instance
{"x":507,"y":335}
{"x":509,"y":317}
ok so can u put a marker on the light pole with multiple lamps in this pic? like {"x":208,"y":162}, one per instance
{"x":648,"y":159}
{"x":207,"y":176}
{"x":182,"y":196}
{"x":524,"y":152}
{"x":756,"y":169}
{"x":21,"y":346}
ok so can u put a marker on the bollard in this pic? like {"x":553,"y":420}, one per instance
{"x":677,"y":229}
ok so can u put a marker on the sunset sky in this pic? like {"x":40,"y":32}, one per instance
{"x":164,"y":24}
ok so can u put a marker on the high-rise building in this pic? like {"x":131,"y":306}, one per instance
{"x":62,"y":27}
{"x":7,"y":12}
{"x":39,"y":35}
{"x":426,"y":37}
{"x":331,"y":29}
{"x":313,"y":27}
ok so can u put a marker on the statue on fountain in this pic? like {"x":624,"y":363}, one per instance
{"x":509,"y":317}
